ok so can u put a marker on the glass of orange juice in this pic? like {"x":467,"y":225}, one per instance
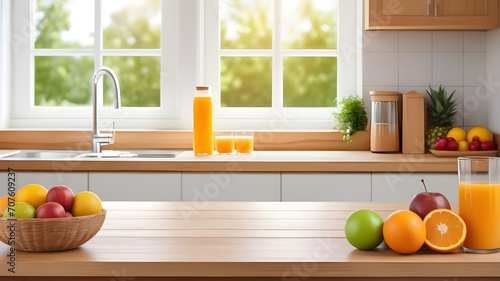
{"x":244,"y":142}
{"x":479,"y":202}
{"x":224,"y":142}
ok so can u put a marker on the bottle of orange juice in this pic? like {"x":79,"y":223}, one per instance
{"x":203,"y":137}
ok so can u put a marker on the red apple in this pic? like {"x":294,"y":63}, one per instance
{"x":488,"y":145}
{"x":441,"y":144}
{"x":475,"y":145}
{"x":69,"y":215}
{"x":62,"y":195}
{"x":425,"y":202}
{"x":50,"y":210}
{"x":452,"y":144}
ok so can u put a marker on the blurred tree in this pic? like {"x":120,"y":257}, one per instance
{"x":65,"y":80}
{"x":59,"y":81}
{"x":307,"y":81}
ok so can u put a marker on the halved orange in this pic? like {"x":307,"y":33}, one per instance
{"x":445,"y":230}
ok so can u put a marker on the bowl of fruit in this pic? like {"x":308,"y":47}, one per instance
{"x":478,"y":141}
{"x":37,"y":220}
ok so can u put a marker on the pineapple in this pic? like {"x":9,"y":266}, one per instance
{"x":441,"y":112}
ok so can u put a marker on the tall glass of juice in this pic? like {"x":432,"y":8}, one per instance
{"x":479,"y":202}
{"x":203,"y":136}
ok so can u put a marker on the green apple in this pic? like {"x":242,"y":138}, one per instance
{"x":20,"y":210}
{"x":363,"y":229}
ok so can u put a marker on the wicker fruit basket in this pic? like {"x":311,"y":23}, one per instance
{"x":46,"y":235}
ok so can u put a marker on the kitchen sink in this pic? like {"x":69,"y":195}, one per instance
{"x":76,"y":154}
{"x":132,"y":154}
{"x":47,"y":154}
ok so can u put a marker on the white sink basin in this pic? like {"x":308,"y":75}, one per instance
{"x":75,"y":154}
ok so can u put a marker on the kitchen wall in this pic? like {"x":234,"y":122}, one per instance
{"x":411,"y":60}
{"x":493,"y":89}
{"x":4,"y":64}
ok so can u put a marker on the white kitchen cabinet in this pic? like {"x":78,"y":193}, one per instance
{"x":340,"y":187}
{"x":76,"y":181}
{"x":401,"y":187}
{"x":204,"y":187}
{"x":136,"y":186}
{"x":3,"y":183}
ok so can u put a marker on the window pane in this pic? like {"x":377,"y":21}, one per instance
{"x":131,"y":24}
{"x":309,"y":81}
{"x":246,"y":24}
{"x":64,"y":24}
{"x":246,"y":82}
{"x":139,"y":79}
{"x":63,"y":81}
{"x":310,"y":24}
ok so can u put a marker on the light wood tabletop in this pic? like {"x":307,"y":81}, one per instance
{"x":239,"y":241}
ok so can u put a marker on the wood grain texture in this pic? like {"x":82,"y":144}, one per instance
{"x":239,"y":241}
{"x":183,"y":140}
{"x":413,"y":123}
{"x":411,"y":15}
{"x":258,"y":161}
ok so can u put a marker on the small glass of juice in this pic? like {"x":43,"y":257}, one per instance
{"x":224,"y":142}
{"x":244,"y":142}
{"x":479,"y":202}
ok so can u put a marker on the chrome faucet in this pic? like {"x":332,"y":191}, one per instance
{"x":99,"y":138}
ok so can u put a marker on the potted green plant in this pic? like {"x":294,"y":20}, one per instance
{"x":350,"y":117}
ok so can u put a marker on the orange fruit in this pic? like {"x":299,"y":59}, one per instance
{"x":463,"y":145}
{"x":446,"y":230}
{"x":4,"y":203}
{"x":86,"y":203}
{"x":33,"y":194}
{"x":457,"y":133}
{"x":404,"y":232}
{"x":481,"y":132}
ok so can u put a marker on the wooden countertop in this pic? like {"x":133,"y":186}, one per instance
{"x":259,"y":161}
{"x":278,"y":240}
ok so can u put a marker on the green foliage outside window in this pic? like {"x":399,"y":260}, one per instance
{"x":245,"y":81}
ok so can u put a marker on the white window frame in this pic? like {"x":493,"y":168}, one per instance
{"x":278,"y":117}
{"x":25,"y":114}
{"x":187,"y":60}
{"x":4,"y":63}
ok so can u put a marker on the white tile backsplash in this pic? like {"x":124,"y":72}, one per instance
{"x":380,"y":68}
{"x":474,"y":68}
{"x":475,"y":106}
{"x":447,"y":41}
{"x":475,"y":41}
{"x":415,"y":68}
{"x":415,"y":41}
{"x":448,"y":68}
{"x":385,"y":41}
{"x":452,"y":58}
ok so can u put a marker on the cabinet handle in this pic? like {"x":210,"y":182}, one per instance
{"x":428,"y":7}
{"x":436,"y":8}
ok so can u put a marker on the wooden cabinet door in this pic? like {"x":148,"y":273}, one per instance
{"x":467,"y":14}
{"x":431,"y":14}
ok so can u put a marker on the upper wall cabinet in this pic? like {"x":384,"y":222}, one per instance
{"x":431,"y":14}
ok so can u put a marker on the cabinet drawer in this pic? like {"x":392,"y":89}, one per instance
{"x":401,"y":187}
{"x":201,"y":187}
{"x":78,"y":182}
{"x":354,"y":187}
{"x":136,"y":186}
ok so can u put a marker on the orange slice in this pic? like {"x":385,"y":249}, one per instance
{"x":446,"y":230}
